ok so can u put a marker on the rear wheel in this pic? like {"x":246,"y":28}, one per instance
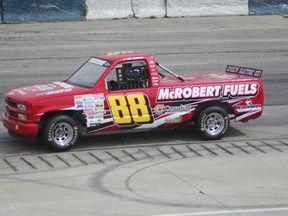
{"x":212,"y":123}
{"x":60,"y":133}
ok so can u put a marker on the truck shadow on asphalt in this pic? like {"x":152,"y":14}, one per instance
{"x":152,"y":137}
{"x":114,"y":140}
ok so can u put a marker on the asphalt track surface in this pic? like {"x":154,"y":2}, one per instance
{"x":159,"y":172}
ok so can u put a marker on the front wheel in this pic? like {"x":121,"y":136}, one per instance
{"x":60,"y":133}
{"x":212,"y":123}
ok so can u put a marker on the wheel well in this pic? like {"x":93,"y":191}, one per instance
{"x":227,"y":107}
{"x":73,"y":114}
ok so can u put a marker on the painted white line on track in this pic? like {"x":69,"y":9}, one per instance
{"x":259,"y":210}
{"x":7,"y":71}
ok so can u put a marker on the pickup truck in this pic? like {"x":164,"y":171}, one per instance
{"x":131,"y":91}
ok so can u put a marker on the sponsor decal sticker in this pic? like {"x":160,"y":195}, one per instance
{"x":47,"y":87}
{"x":97,"y":61}
{"x":155,"y":80}
{"x":173,"y":120}
{"x":161,"y":108}
{"x":43,"y":89}
{"x":207,"y":91}
{"x":249,"y":107}
{"x":54,"y":92}
{"x":63,"y":84}
{"x":244,"y":71}
{"x":152,"y":66}
{"x":133,"y":58}
{"x":92,"y":106}
{"x":180,"y":108}
{"x":21,"y":92}
{"x":31,"y":89}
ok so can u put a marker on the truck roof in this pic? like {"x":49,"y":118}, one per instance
{"x":125,"y":55}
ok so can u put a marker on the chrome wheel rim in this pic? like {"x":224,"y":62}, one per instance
{"x":214,"y":123}
{"x":62,"y":133}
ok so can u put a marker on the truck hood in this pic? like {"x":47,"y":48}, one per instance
{"x":43,"y":90}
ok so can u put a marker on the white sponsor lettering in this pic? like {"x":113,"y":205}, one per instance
{"x":207,"y":91}
{"x":240,"y":89}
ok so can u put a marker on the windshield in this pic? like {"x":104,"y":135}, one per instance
{"x":87,"y":75}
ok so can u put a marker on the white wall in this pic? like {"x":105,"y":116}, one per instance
{"x":148,"y":8}
{"x":110,"y":9}
{"x":176,"y":8}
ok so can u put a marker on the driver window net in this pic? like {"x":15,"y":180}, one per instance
{"x":130,"y":77}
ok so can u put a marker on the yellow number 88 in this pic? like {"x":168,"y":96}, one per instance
{"x":130,"y":109}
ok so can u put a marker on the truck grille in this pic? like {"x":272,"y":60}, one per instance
{"x":11,"y":108}
{"x":13,"y":114}
{"x":11,"y":103}
{"x":13,"y":111}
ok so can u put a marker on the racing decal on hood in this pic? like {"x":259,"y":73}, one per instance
{"x":63,"y":84}
{"x":14,"y":91}
{"x":46,"y":87}
{"x":50,"y":89}
{"x":59,"y":91}
{"x":207,"y":91}
{"x":43,"y":89}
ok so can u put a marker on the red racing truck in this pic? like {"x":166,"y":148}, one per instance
{"x":131,"y":91}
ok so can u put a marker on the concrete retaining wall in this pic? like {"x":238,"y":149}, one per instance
{"x":102,"y":9}
{"x":99,"y":9}
{"x":149,"y":8}
{"x":107,"y":9}
{"x":177,"y":8}
{"x":53,"y":10}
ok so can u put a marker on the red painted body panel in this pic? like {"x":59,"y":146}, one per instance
{"x":165,"y":102}
{"x":22,"y":128}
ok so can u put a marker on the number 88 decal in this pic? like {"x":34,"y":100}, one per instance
{"x":130,"y":109}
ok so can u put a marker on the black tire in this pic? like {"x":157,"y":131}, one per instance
{"x":212,"y":123}
{"x":60,"y":133}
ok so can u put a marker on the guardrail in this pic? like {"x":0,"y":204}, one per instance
{"x":59,"y":10}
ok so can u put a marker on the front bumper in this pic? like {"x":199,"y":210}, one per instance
{"x":22,"y":128}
